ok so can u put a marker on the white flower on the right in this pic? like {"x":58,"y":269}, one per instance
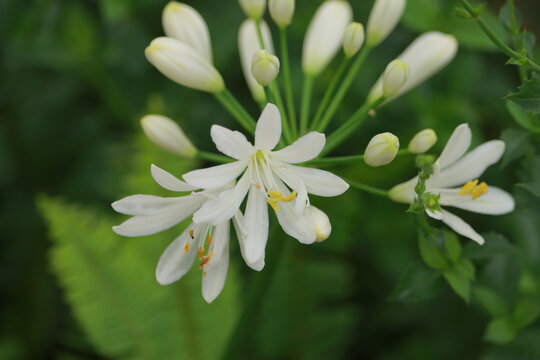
{"x":455,"y":168}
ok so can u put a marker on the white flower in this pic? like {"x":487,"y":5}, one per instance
{"x":264,"y":67}
{"x":394,"y":77}
{"x":268,"y":177}
{"x":168,"y":135}
{"x":253,"y":9}
{"x":454,"y":168}
{"x":281,"y":11}
{"x":353,"y":39}
{"x":426,"y":55}
{"x":184,"y":23}
{"x":153,"y":214}
{"x":422,"y":141}
{"x":248,"y":44}
{"x":383,"y":18}
{"x":382,"y":149}
{"x":184,"y":65}
{"x":324,"y":35}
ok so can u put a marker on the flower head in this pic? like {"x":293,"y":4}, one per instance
{"x":281,"y":11}
{"x":383,"y":18}
{"x":353,"y":39}
{"x":168,"y":135}
{"x":381,"y":150}
{"x":455,"y":168}
{"x":422,"y":141}
{"x":264,"y":67}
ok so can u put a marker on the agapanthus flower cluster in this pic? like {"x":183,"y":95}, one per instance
{"x":275,"y":173}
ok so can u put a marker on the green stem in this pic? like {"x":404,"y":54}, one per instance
{"x":368,"y":188}
{"x":247,"y":118}
{"x":350,"y":126}
{"x":337,"y":160}
{"x":495,"y":39}
{"x":306,"y":99}
{"x":279,"y":102}
{"x":345,"y":85}
{"x":225,"y":102}
{"x":268,"y":94}
{"x":328,"y":95}
{"x":259,"y":34}
{"x":213,"y":157}
{"x":287,"y":80}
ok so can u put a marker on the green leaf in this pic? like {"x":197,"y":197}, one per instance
{"x":495,"y":244}
{"x":517,"y":143}
{"x":109,"y":282}
{"x":526,"y":312}
{"x":490,"y":301}
{"x":417,"y":283}
{"x":452,"y":246}
{"x":526,"y":41}
{"x":459,"y":282}
{"x":431,"y":255}
{"x":533,"y":188}
{"x":528,"y":96}
{"x":466,"y":268}
{"x":500,"y":331}
{"x":525,"y":119}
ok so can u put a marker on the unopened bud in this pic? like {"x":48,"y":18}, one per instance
{"x":253,"y":9}
{"x":394,"y":77}
{"x":166,"y":134}
{"x":383,"y":18}
{"x":353,"y":39}
{"x":281,"y":11}
{"x":381,"y":150}
{"x":323,"y":227}
{"x":264,"y":67}
{"x":423,"y":141}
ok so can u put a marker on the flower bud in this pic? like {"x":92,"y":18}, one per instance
{"x":325,"y":35}
{"x":426,"y":55}
{"x":248,"y":44}
{"x":394,"y":77}
{"x":323,"y":227}
{"x":383,"y":18}
{"x":166,"y":134}
{"x":182,"y":64}
{"x":253,"y":9}
{"x":264,"y":67}
{"x":184,"y":23}
{"x":353,"y":39}
{"x":381,"y":150}
{"x":281,"y":11}
{"x":423,"y":141}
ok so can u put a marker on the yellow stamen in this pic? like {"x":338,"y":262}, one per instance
{"x":290,"y":197}
{"x":480,"y":190}
{"x":186,"y":249}
{"x":201,"y":253}
{"x":204,"y":273}
{"x":191,"y":233}
{"x":205,"y":261}
{"x":209,"y":240}
{"x":277,"y":196}
{"x":468,"y":187}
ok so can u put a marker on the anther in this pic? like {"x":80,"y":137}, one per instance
{"x":191,"y":233}
{"x":201,"y":253}
{"x":290,"y":197}
{"x":186,"y":249}
{"x":206,"y":259}
{"x":209,"y":240}
{"x":480,"y":190}
{"x":468,"y":187}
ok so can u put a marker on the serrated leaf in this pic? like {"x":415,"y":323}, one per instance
{"x":431,"y":255}
{"x":528,"y":96}
{"x":495,"y":244}
{"x":490,"y":301}
{"x":459,"y":282}
{"x":533,"y":188}
{"x":417,"y":283}
{"x":452,"y":246}
{"x":500,"y":331}
{"x":526,"y":120}
{"x":517,"y":143}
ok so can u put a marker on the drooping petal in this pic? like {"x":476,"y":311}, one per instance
{"x":470,"y":166}
{"x":457,"y":224}
{"x":241,"y":233}
{"x":214,"y":277}
{"x":495,"y":202}
{"x":255,"y":225}
{"x":175,"y":260}
{"x":268,"y":131}
{"x":225,"y":206}
{"x":220,"y":238}
{"x":305,"y":148}
{"x":168,"y":181}
{"x":456,"y":146}
{"x":231,"y":143}
{"x":215,"y":176}
{"x":319,"y":182}
{"x":147,"y":204}
{"x":301,"y":227}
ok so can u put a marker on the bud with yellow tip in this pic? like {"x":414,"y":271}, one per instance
{"x":394,"y":77}
{"x":264,"y":67}
{"x":383,"y":18}
{"x":381,"y":150}
{"x":353,"y":39}
{"x":323,"y":227}
{"x":166,"y":134}
{"x":281,"y":11}
{"x":253,"y":9}
{"x":423,"y":141}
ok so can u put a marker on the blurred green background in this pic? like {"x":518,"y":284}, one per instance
{"x":74,"y":83}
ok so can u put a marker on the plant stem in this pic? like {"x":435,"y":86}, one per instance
{"x":348,"y":128}
{"x":337,"y":160}
{"x":259,"y":34}
{"x":328,"y":95}
{"x":495,"y":39}
{"x":213,"y":157}
{"x":345,"y":85}
{"x":225,"y":102}
{"x":306,"y":99}
{"x":287,"y":80}
{"x":279,"y":102}
{"x":245,"y":115}
{"x":368,"y":188}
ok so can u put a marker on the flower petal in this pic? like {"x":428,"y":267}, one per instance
{"x":220,"y":239}
{"x":214,"y":280}
{"x":294,"y":182}
{"x":147,"y":204}
{"x":305,"y":148}
{"x":319,"y":182}
{"x":470,"y":166}
{"x":175,"y":261}
{"x":457,"y":224}
{"x":300,"y":227}
{"x":215,"y":176}
{"x":495,"y":202}
{"x":168,"y":181}
{"x":238,"y":221}
{"x":456,"y":146}
{"x":404,"y":192}
{"x":256,"y":226}
{"x":268,"y":131}
{"x":225,"y":206}
{"x":231,"y":143}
